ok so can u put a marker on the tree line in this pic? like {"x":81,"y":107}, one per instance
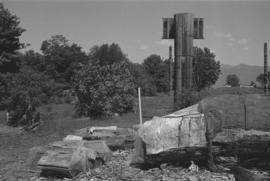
{"x":103,"y":80}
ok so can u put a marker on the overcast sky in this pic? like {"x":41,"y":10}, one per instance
{"x":235,"y":31}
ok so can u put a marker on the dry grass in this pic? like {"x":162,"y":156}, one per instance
{"x":230,"y":90}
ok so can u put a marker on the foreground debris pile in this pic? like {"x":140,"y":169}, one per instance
{"x":68,"y":158}
{"x":118,"y":169}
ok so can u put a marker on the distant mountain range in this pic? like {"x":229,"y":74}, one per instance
{"x":246,"y":73}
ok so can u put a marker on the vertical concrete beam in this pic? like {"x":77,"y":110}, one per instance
{"x":183,"y":49}
{"x":189,"y":48}
{"x":178,"y":56}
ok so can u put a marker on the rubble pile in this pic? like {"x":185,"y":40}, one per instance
{"x":118,"y":169}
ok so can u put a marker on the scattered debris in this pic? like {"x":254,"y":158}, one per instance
{"x":136,"y":127}
{"x":116,"y":138}
{"x":118,"y":169}
{"x":193,"y":178}
{"x":193,"y":167}
{"x":72,"y":138}
{"x":107,"y":128}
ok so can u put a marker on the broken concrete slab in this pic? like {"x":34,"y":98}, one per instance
{"x":119,"y":138}
{"x":72,"y":138}
{"x":169,"y":132}
{"x":68,"y":158}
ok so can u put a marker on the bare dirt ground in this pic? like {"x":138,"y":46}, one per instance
{"x":58,"y":121}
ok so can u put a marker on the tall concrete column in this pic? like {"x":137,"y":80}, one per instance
{"x":189,"y":49}
{"x":183,"y":49}
{"x":183,"y":28}
{"x":178,"y":57}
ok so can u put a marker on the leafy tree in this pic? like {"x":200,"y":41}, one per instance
{"x":62,"y":60}
{"x":4,"y":94}
{"x":27,"y":87}
{"x":232,"y":80}
{"x":107,"y":54}
{"x":104,"y":90}
{"x":34,"y":60}
{"x":36,"y":85}
{"x":260,"y":79}
{"x":105,"y":85}
{"x":158,"y":70}
{"x":206,"y":69}
{"x":9,"y":40}
{"x":142,"y":79}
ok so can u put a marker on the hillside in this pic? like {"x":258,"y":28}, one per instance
{"x":246,"y":73}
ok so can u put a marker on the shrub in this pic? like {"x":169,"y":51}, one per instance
{"x":103,"y":89}
{"x":158,"y":72}
{"x":142,"y":79}
{"x":24,"y":89}
{"x":188,"y":98}
{"x":206,"y":69}
{"x":232,"y":80}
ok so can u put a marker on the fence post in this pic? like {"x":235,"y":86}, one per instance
{"x":140,"y":105}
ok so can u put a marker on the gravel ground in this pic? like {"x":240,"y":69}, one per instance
{"x":118,"y":169}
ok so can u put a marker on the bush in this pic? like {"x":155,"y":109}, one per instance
{"x":232,"y":80}
{"x":148,"y":88}
{"x":104,"y":89}
{"x":142,"y":79}
{"x":188,"y":98}
{"x":4,"y":94}
{"x":206,"y":69}
{"x":158,"y":72}
{"x":24,"y":89}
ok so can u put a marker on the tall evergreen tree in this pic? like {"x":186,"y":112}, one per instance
{"x":9,"y":40}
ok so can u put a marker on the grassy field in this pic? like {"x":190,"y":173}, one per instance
{"x":230,"y":90}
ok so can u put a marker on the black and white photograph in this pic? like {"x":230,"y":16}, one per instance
{"x":134,"y":90}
